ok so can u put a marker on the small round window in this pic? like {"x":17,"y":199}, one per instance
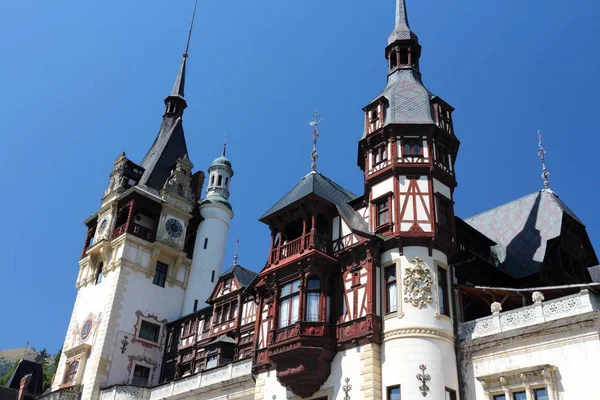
{"x":87,"y":327}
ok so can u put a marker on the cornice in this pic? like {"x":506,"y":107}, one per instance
{"x":418,"y":332}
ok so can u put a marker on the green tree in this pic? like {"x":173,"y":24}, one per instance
{"x":5,"y":378}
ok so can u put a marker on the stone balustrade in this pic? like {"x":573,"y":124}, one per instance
{"x":62,"y":394}
{"x":538,"y":313}
{"x":236,"y":370}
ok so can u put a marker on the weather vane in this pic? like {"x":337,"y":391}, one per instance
{"x":542,"y":154}
{"x":315,"y":125}
{"x":237,"y":249}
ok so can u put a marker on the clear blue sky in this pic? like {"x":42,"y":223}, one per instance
{"x":82,"y":81}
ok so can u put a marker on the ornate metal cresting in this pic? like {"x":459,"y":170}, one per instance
{"x":124,"y":343}
{"x":347,"y":388}
{"x":417,"y":284}
{"x":542,"y":154}
{"x":315,"y":125}
{"x":423,"y":378}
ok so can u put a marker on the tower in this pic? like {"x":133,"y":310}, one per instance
{"x":211,"y":238}
{"x":407,"y":153}
{"x":135,"y":264}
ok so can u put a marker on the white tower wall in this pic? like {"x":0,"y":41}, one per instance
{"x":207,"y":262}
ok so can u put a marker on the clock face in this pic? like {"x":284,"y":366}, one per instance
{"x":102,"y":226}
{"x":174,"y":227}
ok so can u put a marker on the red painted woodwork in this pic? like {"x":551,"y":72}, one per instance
{"x":312,"y":240}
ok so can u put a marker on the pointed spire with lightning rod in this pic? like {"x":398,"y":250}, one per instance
{"x":237,"y":250}
{"x":402,"y":29}
{"x":542,"y":154}
{"x":315,"y":125}
{"x":175,"y":103}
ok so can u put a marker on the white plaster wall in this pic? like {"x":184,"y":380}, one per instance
{"x":402,"y":357}
{"x":335,"y":233}
{"x":346,"y":364}
{"x":439,"y":187}
{"x":382,"y":188}
{"x":215,"y":227}
{"x":576,"y":354}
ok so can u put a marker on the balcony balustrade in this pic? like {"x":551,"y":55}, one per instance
{"x":136,"y":230}
{"x":309,"y":241}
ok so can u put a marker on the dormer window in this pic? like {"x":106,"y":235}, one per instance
{"x":374,"y":115}
{"x":380,"y":155}
{"x":393,"y":59}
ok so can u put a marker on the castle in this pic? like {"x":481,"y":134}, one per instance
{"x":381,"y":295}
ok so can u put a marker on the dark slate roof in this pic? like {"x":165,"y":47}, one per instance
{"x":244,"y":276}
{"x":168,"y":147}
{"x":522,"y":229}
{"x":328,"y":190}
{"x":26,"y":367}
{"x":595,"y":273}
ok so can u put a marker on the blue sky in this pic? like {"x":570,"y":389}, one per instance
{"x":82,"y":81}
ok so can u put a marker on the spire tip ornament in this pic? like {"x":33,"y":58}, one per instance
{"x":237,"y":249}
{"x":542,"y":154}
{"x":315,"y":125}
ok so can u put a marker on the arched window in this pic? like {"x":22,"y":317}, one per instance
{"x":289,"y":302}
{"x":391,"y":302}
{"x":220,"y":180}
{"x":403,"y":56}
{"x":226,"y":181}
{"x":212,"y":180}
{"x":99,"y":273}
{"x":180,"y":190}
{"x":313,"y":295}
{"x":72,"y":372}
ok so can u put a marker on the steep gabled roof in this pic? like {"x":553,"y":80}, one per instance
{"x":168,"y":147}
{"x":522,"y":229}
{"x":317,"y":184}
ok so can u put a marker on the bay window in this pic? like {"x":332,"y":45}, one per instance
{"x":289,"y":302}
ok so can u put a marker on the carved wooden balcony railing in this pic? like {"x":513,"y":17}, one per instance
{"x":136,"y":230}
{"x":312,"y":240}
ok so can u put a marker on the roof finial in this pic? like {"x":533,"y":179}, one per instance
{"x":224,"y":144}
{"x":542,"y":154}
{"x":179,"y":87}
{"x":315,"y":125}
{"x":237,"y":249}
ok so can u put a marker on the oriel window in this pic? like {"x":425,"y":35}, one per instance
{"x":413,"y":148}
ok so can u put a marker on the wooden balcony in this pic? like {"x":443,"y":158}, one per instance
{"x":309,"y":241}
{"x":136,"y":230}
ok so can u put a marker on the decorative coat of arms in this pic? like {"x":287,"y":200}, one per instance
{"x":417,"y":284}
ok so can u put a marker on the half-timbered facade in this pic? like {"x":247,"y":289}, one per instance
{"x":385,"y":294}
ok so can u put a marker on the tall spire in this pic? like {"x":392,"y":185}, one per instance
{"x":176,"y":101}
{"x":402,"y":29}
{"x":315,"y":125}
{"x":542,"y":154}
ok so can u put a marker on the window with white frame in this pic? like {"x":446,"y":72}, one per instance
{"x":289,"y":302}
{"x":530,"y":383}
{"x":141,"y":375}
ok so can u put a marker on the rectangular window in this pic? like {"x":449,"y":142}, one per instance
{"x":519,"y":396}
{"x":205,"y":243}
{"x":391,"y":296}
{"x":141,"y":375}
{"x":412,"y":148}
{"x":393,"y":393}
{"x":312,"y":306}
{"x":212,"y":276}
{"x":541,"y":394}
{"x":383,"y":213}
{"x":160,"y":276}
{"x":500,"y":397}
{"x":289,"y":304}
{"x":211,"y":362}
{"x":233,"y":312}
{"x":442,"y":276}
{"x":380,"y":155}
{"x":185,"y":370}
{"x":444,"y":212}
{"x":450,"y":394}
{"x":100,"y":273}
{"x":149,"y":331}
